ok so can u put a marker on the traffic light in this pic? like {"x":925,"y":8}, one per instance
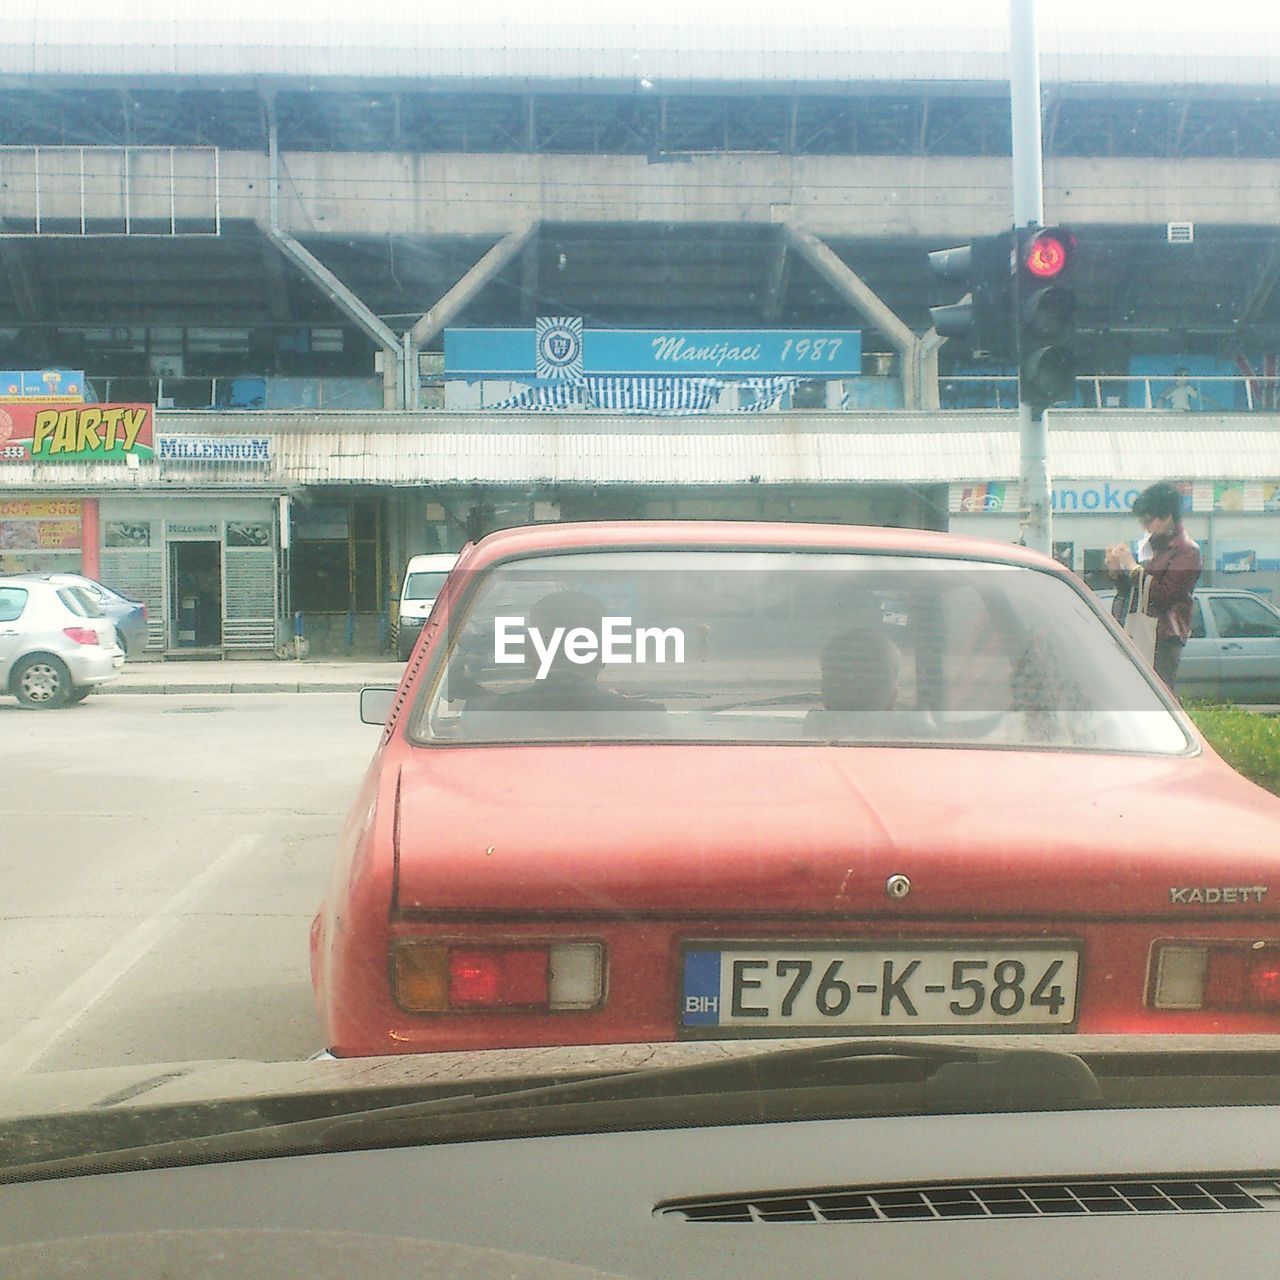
{"x":983,"y":323}
{"x":1046,"y":315}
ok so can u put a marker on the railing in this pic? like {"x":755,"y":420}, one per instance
{"x":112,"y":191}
{"x":1208,"y":393}
{"x":239,"y":393}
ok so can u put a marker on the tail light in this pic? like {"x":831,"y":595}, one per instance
{"x":434,"y":977}
{"x":81,"y":635}
{"x":1217,"y":976}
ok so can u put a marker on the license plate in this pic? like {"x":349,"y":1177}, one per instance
{"x":815,"y":987}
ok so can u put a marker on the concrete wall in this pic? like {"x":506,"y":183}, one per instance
{"x":440,"y":194}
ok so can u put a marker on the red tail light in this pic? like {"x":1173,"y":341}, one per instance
{"x":496,"y":976}
{"x":1229,"y":977}
{"x":1264,"y":983}
{"x":81,"y":635}
{"x":436,"y":977}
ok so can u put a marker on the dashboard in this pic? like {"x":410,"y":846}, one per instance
{"x":1177,"y":1191}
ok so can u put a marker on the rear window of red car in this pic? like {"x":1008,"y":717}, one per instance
{"x":741,"y":646}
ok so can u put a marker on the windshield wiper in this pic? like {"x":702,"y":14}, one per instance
{"x":844,"y":1078}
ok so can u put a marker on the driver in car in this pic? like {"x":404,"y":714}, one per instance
{"x":567,"y":690}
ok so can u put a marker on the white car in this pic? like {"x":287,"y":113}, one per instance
{"x":1234,"y":648}
{"x":56,"y":645}
{"x":423,"y":578}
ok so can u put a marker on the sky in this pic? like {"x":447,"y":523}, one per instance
{"x":1094,"y":16}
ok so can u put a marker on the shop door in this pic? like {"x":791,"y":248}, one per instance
{"x":195,"y":595}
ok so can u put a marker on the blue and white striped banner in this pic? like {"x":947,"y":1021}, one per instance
{"x":766,"y":392}
{"x":673,"y":395}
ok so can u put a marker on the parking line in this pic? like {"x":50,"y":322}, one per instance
{"x":24,"y":1050}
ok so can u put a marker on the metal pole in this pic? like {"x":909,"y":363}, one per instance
{"x":273,"y":164}
{"x":285,"y":542}
{"x":409,"y":372}
{"x":1028,"y":210}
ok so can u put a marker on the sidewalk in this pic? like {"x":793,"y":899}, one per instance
{"x":283,"y":676}
{"x":320,"y":675}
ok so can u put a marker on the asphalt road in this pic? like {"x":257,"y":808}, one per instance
{"x":161,"y":858}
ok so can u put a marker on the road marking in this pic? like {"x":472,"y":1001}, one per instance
{"x":22,"y":1051}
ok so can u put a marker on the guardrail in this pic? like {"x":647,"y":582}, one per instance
{"x":239,"y":393}
{"x":1209,"y":393}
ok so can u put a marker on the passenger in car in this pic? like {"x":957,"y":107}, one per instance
{"x":861,"y":670}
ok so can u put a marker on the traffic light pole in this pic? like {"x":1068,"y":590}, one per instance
{"x":1028,"y":209}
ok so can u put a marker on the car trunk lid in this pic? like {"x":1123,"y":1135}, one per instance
{"x":820,"y":830}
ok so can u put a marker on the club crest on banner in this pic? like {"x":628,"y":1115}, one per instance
{"x":559,"y":347}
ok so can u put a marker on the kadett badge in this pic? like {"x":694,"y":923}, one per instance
{"x":1217,"y":895}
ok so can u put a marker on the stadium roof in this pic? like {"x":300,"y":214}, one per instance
{"x":918,"y":42}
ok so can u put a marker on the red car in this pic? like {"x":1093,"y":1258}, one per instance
{"x":648,"y":781}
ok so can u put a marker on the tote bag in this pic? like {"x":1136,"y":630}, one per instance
{"x":1140,"y":626}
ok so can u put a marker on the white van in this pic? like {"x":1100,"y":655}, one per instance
{"x":423,"y":579}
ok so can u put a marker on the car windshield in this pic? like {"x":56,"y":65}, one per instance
{"x":731,"y":646}
{"x":424,"y":586}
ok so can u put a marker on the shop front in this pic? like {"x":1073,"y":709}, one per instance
{"x":190,"y":523}
{"x":208,"y":567}
{"x":1236,"y":523}
{"x":442,"y":518}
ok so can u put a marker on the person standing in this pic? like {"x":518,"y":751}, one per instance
{"x":1183,"y":396}
{"x":1174,"y":568}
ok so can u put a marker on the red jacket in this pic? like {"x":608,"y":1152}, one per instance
{"x":1174,"y":569}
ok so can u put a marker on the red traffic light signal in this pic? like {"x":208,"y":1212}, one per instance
{"x":1046,"y":310}
{"x":1045,"y":255}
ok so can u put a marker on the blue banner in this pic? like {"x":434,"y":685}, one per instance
{"x":18,"y":385}
{"x":803,"y":353}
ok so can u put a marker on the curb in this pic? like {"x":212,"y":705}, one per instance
{"x":232,"y":688}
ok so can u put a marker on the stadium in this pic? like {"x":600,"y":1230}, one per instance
{"x":384,"y":293}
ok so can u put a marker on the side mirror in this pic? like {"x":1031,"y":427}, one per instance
{"x":376,"y":703}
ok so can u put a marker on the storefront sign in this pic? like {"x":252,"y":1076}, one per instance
{"x":39,"y":525}
{"x":75,"y":433}
{"x":214,"y":449}
{"x":994,"y":496}
{"x":134,"y":534}
{"x":39,"y":509}
{"x":1229,"y":496}
{"x":559,"y":346}
{"x":1239,"y":562}
{"x":27,"y":386}
{"x":1099,"y":497}
{"x":248,"y":533}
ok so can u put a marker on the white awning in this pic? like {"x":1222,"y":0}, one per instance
{"x":405,"y":449}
